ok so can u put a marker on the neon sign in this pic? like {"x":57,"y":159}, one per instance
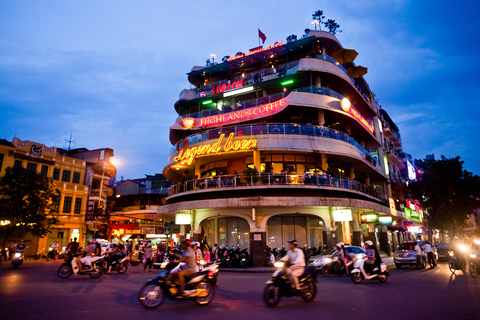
{"x":227,"y":86}
{"x":188,"y":122}
{"x":118,"y":232}
{"x":278,"y":44}
{"x":350,"y":109}
{"x":244,"y":114}
{"x":230,"y":145}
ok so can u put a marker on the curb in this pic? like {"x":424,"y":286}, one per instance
{"x":268,"y":270}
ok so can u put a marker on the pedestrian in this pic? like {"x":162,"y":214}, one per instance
{"x":129,"y":248}
{"x":148,"y":253}
{"x":55,"y":250}
{"x":215,"y":252}
{"x":418,"y":256}
{"x":140,"y":251}
{"x":206,"y":253}
{"x":428,"y":250}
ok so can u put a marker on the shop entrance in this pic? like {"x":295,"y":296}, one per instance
{"x":307,"y":230}
{"x":231,"y":232}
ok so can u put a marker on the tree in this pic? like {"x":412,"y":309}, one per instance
{"x":26,"y":203}
{"x":332,"y":26}
{"x":448,"y":193}
{"x":318,"y":16}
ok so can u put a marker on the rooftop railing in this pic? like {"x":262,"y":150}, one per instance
{"x":273,"y":179}
{"x":278,"y":128}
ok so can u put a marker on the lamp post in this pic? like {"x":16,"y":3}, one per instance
{"x":315,"y":24}
{"x":213,"y":56}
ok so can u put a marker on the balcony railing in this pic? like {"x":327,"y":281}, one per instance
{"x":278,"y":128}
{"x":272,"y":179}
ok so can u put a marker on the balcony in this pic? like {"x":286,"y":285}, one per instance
{"x":279,"y":128}
{"x":273,"y":180}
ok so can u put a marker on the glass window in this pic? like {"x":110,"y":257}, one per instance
{"x":32,"y":166}
{"x":66,"y":176}
{"x":44,"y":171}
{"x":67,"y":205}
{"x":233,"y":232}
{"x":78,"y":206}
{"x":222,"y":232}
{"x":283,"y":228}
{"x":56,"y":174}
{"x":1,"y":161}
{"x":18,"y":164}
{"x":76,"y":177}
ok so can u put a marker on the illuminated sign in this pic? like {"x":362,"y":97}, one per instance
{"x":413,"y":215}
{"x":411,"y":171}
{"x":385,"y":221}
{"x":258,"y":111}
{"x":188,"y":122}
{"x":227,"y":86}
{"x":4,"y":222}
{"x":183,"y":218}
{"x":346,"y":104}
{"x":278,"y":44}
{"x":393,"y":209}
{"x":367,"y":218}
{"x":350,"y":109}
{"x":342,"y":215}
{"x":230,"y":145}
{"x":118,"y":232}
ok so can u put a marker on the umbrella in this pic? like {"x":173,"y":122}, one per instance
{"x":356,"y":72}
{"x":344,"y":55}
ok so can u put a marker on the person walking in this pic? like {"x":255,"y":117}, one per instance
{"x":148,"y":254}
{"x":55,"y":250}
{"x":215,"y":253}
{"x":418,"y":256}
{"x":129,"y":248}
{"x":428,"y":250}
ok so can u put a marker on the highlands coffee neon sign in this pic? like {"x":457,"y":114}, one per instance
{"x":245,"y":114}
{"x":229,"y":146}
{"x":278,"y":44}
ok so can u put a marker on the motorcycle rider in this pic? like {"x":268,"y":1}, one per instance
{"x":340,"y":255}
{"x":189,"y":268}
{"x":21,"y":246}
{"x":89,"y":253}
{"x":373,"y":255}
{"x":297,"y":263}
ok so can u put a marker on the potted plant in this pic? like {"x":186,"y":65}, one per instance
{"x":251,"y":175}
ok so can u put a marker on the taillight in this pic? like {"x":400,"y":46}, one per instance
{"x":211,"y":273}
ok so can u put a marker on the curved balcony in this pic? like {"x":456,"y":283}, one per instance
{"x":273,"y":180}
{"x":278,"y":128}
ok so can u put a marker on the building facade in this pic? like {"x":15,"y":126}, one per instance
{"x":285,"y":141}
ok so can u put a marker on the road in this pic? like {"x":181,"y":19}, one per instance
{"x":34,"y":291}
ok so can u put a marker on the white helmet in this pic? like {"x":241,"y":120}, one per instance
{"x":370,"y":243}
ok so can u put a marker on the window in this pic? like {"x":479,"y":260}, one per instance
{"x":66,"y":176}
{"x":78,"y":206}
{"x":76,"y":177}
{"x":56,"y":174}
{"x":44,"y":171}
{"x":1,"y":161}
{"x":18,"y":164}
{"x":67,"y":205}
{"x":56,"y":202}
{"x":32,"y":166}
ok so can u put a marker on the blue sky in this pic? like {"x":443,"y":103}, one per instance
{"x":110,"y":71}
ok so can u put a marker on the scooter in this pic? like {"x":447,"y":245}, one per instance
{"x":121,"y":266}
{"x":17,"y":259}
{"x":457,"y":260}
{"x":280,"y":285}
{"x":359,"y":274}
{"x":331,"y":266}
{"x":71,"y":267}
{"x":153,"y":293}
{"x":211,"y":277}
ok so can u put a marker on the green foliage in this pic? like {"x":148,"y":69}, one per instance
{"x":26,"y":201}
{"x":249,"y":172}
{"x":448,"y":193}
{"x":332,"y":26}
{"x":318,"y":15}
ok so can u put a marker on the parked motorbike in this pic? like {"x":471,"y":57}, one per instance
{"x":153,"y":293}
{"x":280,"y":285}
{"x":244,"y":258}
{"x":331,"y":266}
{"x":358,"y":273}
{"x":50,"y":254}
{"x":71,"y":267}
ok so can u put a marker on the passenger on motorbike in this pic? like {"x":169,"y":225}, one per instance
{"x":373,"y":255}
{"x":297,"y":263}
{"x":189,"y":258}
{"x":89,"y":253}
{"x":339,"y":254}
{"x":114,"y":255}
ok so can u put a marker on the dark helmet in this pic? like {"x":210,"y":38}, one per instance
{"x":294,"y":242}
{"x":188,"y":242}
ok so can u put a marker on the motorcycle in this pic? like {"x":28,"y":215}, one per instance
{"x":474,"y":265}
{"x":50,"y":254}
{"x":211,"y":277}
{"x":358,"y":273}
{"x":71,"y":267}
{"x":17,"y":259}
{"x":331,"y":266}
{"x":153,"y":293}
{"x":244,"y":258}
{"x":280,"y":285}
{"x":121,"y":265}
{"x":457,"y":260}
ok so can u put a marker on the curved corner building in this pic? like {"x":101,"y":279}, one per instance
{"x":281,"y":142}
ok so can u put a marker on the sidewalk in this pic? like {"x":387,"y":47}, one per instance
{"x":386,"y":259}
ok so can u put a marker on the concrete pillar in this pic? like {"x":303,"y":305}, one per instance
{"x":324,"y":52}
{"x":324,"y":162}
{"x":351,"y":172}
{"x":318,"y":81}
{"x":346,"y":232}
{"x":367,"y":179}
{"x":197,"y":169}
{"x":321,"y":117}
{"x":256,"y":160}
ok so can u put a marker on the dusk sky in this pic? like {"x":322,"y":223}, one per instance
{"x":111,"y":71}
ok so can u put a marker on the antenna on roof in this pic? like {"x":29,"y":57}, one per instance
{"x":70,"y":141}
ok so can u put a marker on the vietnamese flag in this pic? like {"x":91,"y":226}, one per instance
{"x":262,"y":36}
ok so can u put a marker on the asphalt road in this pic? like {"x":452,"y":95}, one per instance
{"x":34,"y":291}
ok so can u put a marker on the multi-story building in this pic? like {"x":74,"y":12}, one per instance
{"x":68,"y":174}
{"x":282,"y":142}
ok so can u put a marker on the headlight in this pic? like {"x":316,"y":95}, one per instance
{"x":473,"y":255}
{"x":463,"y":248}
{"x":50,"y":249}
{"x":278,"y":264}
{"x":450,"y":253}
{"x":17,"y":255}
{"x":327,"y":260}
{"x":202,"y":262}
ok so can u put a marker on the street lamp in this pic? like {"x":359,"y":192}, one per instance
{"x":315,"y":24}
{"x":213,"y":56}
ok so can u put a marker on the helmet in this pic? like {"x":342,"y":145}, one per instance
{"x":339,"y":244}
{"x":370,"y":243}
{"x":294,"y":242}
{"x":22,"y":241}
{"x":188,"y":242}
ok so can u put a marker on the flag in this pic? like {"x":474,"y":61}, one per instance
{"x":262,"y":36}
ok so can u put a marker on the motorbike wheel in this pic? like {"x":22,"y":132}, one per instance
{"x":61,"y":256}
{"x":210,"y":293}
{"x":271,"y":296}
{"x":356,"y":277}
{"x":451,"y":266}
{"x":325,"y":272}
{"x":151,"y":295}
{"x":212,"y":280}
{"x":464,"y":267}
{"x":15,"y":265}
{"x":96,"y":272}
{"x":382,"y":278}
{"x":473,"y":270}
{"x":310,"y":292}
{"x":47,"y":257}
{"x":64,"y":271}
{"x":37,"y":256}
{"x":122,"y":268}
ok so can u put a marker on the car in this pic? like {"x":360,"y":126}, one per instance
{"x":443,"y":251}
{"x":405,"y":255}
{"x":107,"y":246}
{"x":325,"y":256}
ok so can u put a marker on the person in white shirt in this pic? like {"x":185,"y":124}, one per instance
{"x":428,"y":250}
{"x":297,"y":263}
{"x":271,"y":260}
{"x":55,"y":249}
{"x":418,"y":255}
